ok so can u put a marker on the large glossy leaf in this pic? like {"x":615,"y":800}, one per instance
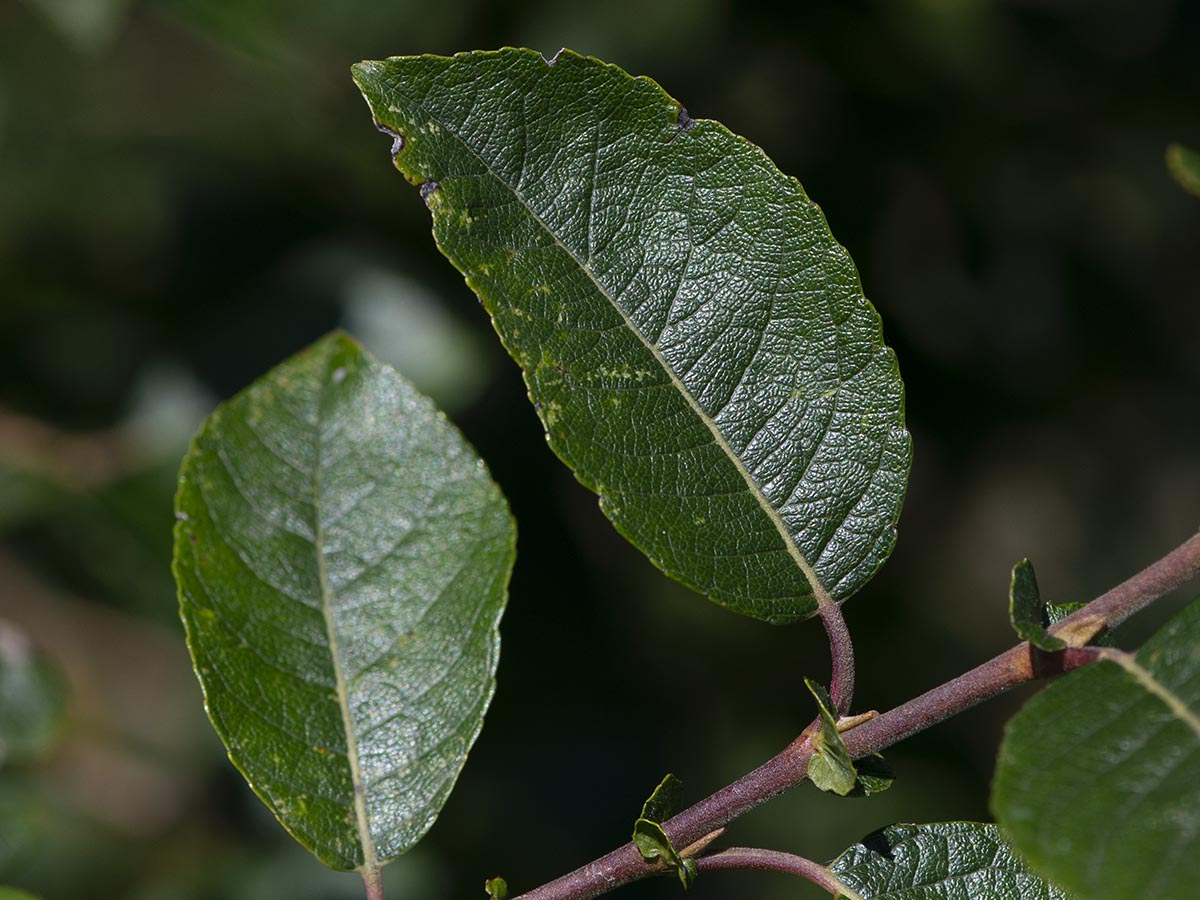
{"x":342,"y":559}
{"x":1098,"y":780}
{"x":942,"y":861}
{"x":694,"y":340}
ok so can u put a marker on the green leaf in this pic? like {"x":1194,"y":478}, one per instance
{"x":873,"y":775}
{"x":650,"y":838}
{"x":1056,"y":612}
{"x":8,"y":893}
{"x":652,"y":842}
{"x":497,"y":888}
{"x":695,"y":341}
{"x":959,"y":860}
{"x":1098,"y":780}
{"x":1026,"y":610}
{"x":342,"y":558}
{"x":655,"y":846}
{"x":662,"y":803}
{"x":830,"y":767}
{"x":1184,"y":165}
{"x":33,"y":698}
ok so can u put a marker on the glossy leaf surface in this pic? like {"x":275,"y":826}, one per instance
{"x":695,"y":341}
{"x":342,"y":558}
{"x":942,"y":861}
{"x":1098,"y":780}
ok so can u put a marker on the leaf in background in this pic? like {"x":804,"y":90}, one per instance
{"x":830,"y":767}
{"x":7,"y":893}
{"x":408,"y":326}
{"x":28,"y":824}
{"x":89,"y":27}
{"x":343,"y":559}
{"x":1184,"y":165}
{"x":1026,"y":610}
{"x":26,"y":496}
{"x":33,"y":698}
{"x":960,"y":860}
{"x":695,"y":341}
{"x":1098,"y":780}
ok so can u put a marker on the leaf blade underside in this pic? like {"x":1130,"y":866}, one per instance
{"x":694,"y":340}
{"x":342,"y":560}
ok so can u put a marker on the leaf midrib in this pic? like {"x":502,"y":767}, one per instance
{"x":370,"y":861}
{"x":820,"y":594}
{"x":1145,"y":678}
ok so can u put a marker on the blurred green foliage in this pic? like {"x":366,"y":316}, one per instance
{"x":190,"y":190}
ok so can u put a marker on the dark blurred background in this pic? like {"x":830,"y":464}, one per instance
{"x":190,"y":190}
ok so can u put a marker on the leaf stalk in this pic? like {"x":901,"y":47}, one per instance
{"x":776,"y":861}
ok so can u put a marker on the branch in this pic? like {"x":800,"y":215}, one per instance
{"x":775,"y":861}
{"x":788,"y":769}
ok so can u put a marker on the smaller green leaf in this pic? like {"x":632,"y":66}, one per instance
{"x":1056,"y":612}
{"x":497,"y":888}
{"x":1027,"y":611}
{"x":652,"y":842}
{"x":688,"y":873}
{"x":648,"y":835}
{"x":33,"y":698}
{"x":8,"y":893}
{"x":961,"y":860}
{"x":874,"y":775}
{"x":830,"y":768}
{"x":1184,"y":165}
{"x":663,"y":802}
{"x":654,"y":845}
